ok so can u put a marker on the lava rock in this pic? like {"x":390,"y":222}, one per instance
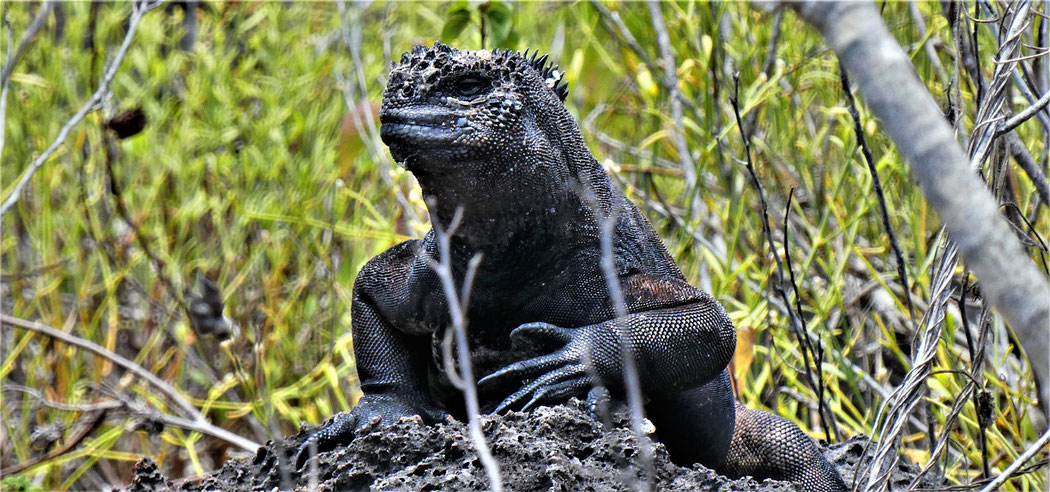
{"x":558,"y":448}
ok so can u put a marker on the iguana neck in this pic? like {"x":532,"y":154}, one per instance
{"x":495,"y":217}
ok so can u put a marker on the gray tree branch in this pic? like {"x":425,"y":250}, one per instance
{"x":909,"y":114}
{"x":464,"y":378}
{"x":27,"y":37}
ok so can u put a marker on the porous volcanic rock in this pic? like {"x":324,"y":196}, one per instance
{"x":549,"y":448}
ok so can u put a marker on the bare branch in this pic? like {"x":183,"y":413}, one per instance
{"x":1030,"y":167}
{"x":139,"y":9}
{"x":612,"y":20}
{"x":27,"y":37}
{"x":795,"y":324}
{"x":862,"y":142}
{"x":970,"y":213}
{"x":1021,"y":460}
{"x":670,"y":83}
{"x":196,"y":419}
{"x":991,"y":103}
{"x":632,"y":384}
{"x":974,"y":378}
{"x":65,"y":407}
{"x":464,"y":379}
{"x":365,"y":126}
{"x":12,"y":58}
{"x":894,"y":412}
{"x":1023,"y":116}
{"x":1016,"y":148}
{"x":928,"y":42}
{"x":827,"y":420}
{"x":98,"y":416}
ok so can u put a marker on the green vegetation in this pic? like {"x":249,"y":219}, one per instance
{"x":252,"y":171}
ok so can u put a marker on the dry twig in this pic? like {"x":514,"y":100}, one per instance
{"x":12,"y":59}
{"x":631,"y":382}
{"x":87,"y":427}
{"x":794,"y":320}
{"x":457,"y":307}
{"x":1011,"y":470}
{"x":876,"y":183}
{"x":139,"y":9}
{"x":195,"y":420}
{"x":365,"y":125}
{"x":27,"y":37}
{"x":670,"y":83}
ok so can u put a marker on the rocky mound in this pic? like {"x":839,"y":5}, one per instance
{"x":550,"y":448}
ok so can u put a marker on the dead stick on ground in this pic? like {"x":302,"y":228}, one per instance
{"x":85,"y":430}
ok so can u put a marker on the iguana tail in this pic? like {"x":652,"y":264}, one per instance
{"x":768,"y":446}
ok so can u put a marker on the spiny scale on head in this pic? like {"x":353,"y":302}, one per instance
{"x":552,"y":77}
{"x":549,"y":71}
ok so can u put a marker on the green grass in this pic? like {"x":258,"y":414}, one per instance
{"x":250,"y":172}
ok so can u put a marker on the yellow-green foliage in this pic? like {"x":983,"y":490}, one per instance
{"x":251,"y":170}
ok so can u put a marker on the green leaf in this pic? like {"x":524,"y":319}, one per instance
{"x":512,"y":41}
{"x":500,"y":19}
{"x":20,"y":483}
{"x":456,"y":21}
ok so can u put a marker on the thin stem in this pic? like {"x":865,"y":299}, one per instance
{"x":464,"y":379}
{"x":1036,"y":447}
{"x":793,"y":319}
{"x":1023,"y":116}
{"x":858,"y":129}
{"x":632,"y":384}
{"x":139,"y":9}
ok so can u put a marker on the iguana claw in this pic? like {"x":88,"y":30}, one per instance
{"x":339,"y":432}
{"x":371,"y":410}
{"x":555,"y":377}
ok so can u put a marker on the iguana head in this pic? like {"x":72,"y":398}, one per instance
{"x":458,"y":113}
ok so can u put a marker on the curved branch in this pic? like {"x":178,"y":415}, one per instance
{"x":196,"y":420}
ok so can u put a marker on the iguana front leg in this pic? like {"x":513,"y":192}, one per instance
{"x":391,"y":364}
{"x":679,"y":337}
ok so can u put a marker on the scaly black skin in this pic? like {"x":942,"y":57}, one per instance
{"x":488,"y":132}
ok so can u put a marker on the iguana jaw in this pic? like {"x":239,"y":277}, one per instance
{"x":421,"y":136}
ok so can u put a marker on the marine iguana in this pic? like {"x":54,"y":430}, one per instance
{"x":487,"y":132}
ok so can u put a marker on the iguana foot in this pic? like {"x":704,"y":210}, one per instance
{"x":555,"y":377}
{"x":372,"y":409}
{"x":339,"y":433}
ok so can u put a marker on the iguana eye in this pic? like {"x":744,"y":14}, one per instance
{"x":471,"y":85}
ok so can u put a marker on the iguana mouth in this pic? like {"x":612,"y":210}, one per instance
{"x":414,"y":128}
